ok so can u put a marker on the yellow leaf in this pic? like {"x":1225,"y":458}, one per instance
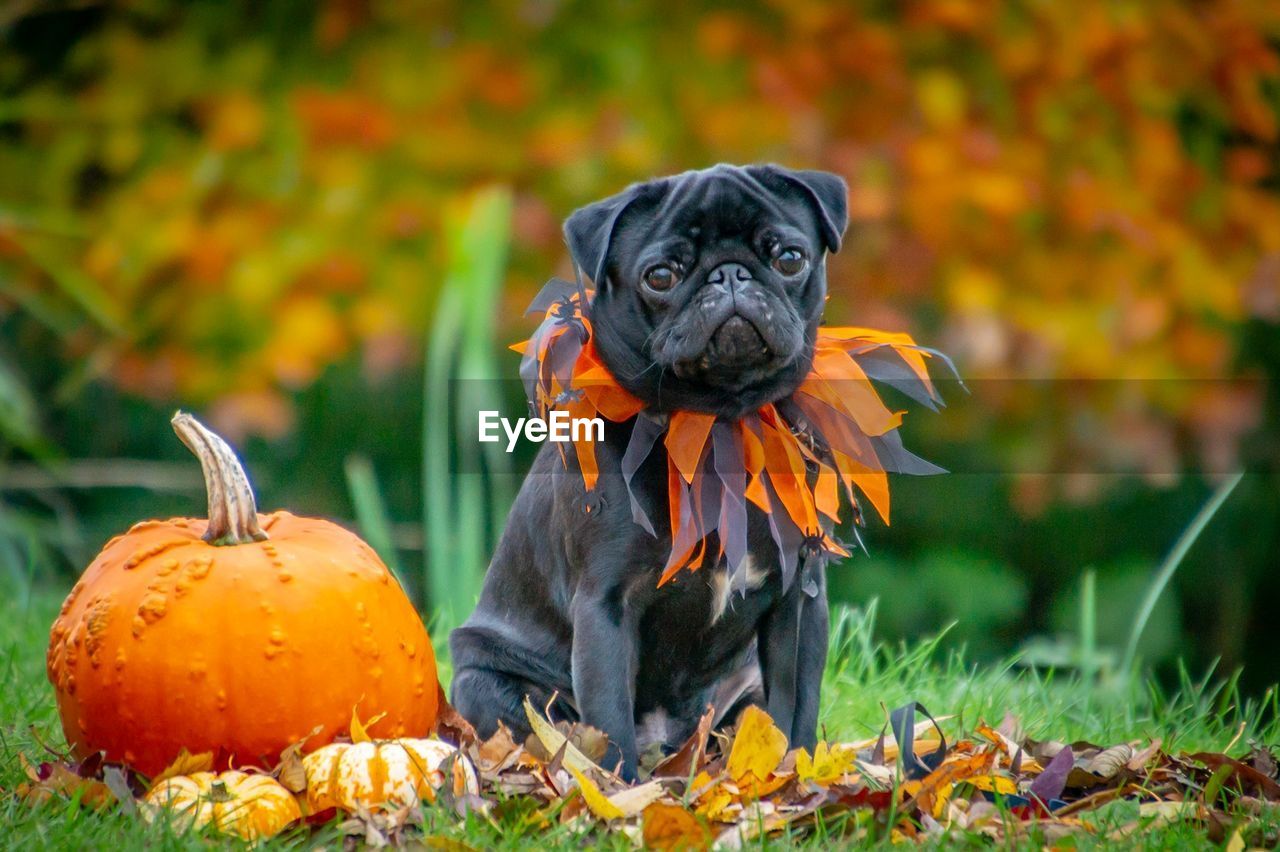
{"x":941,"y":796}
{"x":552,"y":740}
{"x":597,"y":801}
{"x":714,"y":801}
{"x":994,"y":784}
{"x":758,"y":747}
{"x":828,"y":763}
{"x":359,"y":731}
{"x":185,"y":763}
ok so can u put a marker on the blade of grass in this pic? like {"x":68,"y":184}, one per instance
{"x":1089,"y":632}
{"x":480,"y":253}
{"x":464,"y":505}
{"x":371,"y":512}
{"x":438,"y":527}
{"x":1170,"y":565}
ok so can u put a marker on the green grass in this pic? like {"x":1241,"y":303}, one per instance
{"x":864,"y":679}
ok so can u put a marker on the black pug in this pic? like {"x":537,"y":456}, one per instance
{"x":710,"y":287}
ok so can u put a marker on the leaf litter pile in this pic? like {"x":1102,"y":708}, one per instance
{"x":725,"y":789}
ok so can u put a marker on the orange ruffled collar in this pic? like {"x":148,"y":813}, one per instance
{"x":791,"y":459}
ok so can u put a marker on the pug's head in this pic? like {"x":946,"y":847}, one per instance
{"x":710,"y":284}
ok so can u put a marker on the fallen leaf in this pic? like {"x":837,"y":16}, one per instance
{"x":118,"y":783}
{"x":1105,"y":764}
{"x":758,"y":746}
{"x":634,"y":800}
{"x":1053,"y":780}
{"x":496,"y":753}
{"x":290,"y":771}
{"x":1243,"y":773}
{"x":828,"y":763}
{"x":690,"y":756}
{"x":1141,"y":758}
{"x":597,"y":801}
{"x":450,"y":725}
{"x":1263,"y":760}
{"x":552,"y":740}
{"x":185,"y":763}
{"x":671,"y":827}
{"x":935,"y":789}
{"x":592,"y":742}
{"x":994,"y":784}
{"x":359,"y":730}
{"x":55,"y":781}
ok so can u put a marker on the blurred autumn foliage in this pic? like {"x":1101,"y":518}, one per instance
{"x":213,"y":203}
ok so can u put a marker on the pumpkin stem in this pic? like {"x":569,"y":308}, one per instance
{"x":233,"y":514}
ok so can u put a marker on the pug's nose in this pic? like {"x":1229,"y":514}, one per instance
{"x":727,"y":276}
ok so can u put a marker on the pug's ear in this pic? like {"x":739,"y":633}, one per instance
{"x":829,"y":195}
{"x":589,"y":231}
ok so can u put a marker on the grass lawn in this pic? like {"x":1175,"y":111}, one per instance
{"x":864,"y":678}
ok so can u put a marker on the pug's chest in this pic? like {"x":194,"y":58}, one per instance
{"x":702,"y":618}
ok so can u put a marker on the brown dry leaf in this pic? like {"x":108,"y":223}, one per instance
{"x":671,"y":827}
{"x":691,"y":755}
{"x":450,"y":726}
{"x":1241,"y":773}
{"x":55,"y":781}
{"x":592,"y":742}
{"x":1140,"y":759}
{"x":1263,"y":760}
{"x":290,"y":772}
{"x":758,"y":746}
{"x":496,"y":753}
{"x":1105,"y":764}
{"x":185,"y":763}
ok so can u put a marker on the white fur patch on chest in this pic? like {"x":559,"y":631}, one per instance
{"x":654,"y":727}
{"x":722,"y":586}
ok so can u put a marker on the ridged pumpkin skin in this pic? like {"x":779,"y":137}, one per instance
{"x":380,"y":774}
{"x":251,"y":806}
{"x":168,"y":641}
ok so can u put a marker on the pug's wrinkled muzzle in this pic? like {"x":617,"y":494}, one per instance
{"x":730,"y":329}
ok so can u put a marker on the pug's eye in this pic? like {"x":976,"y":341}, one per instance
{"x":790,"y":261}
{"x":661,"y":277}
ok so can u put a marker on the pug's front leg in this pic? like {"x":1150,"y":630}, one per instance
{"x":605,"y":658}
{"x":793,"y":653}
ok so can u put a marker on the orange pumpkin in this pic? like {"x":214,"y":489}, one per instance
{"x":238,"y":635}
